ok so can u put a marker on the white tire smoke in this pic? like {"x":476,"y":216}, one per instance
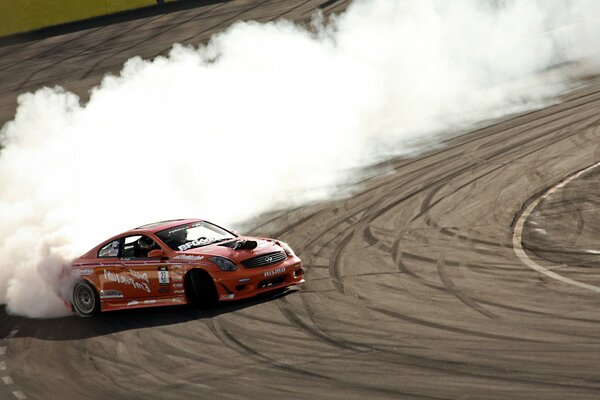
{"x":263,"y":116}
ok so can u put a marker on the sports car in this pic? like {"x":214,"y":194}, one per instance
{"x":185,"y":261}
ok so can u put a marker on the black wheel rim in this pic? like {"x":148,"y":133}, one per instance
{"x":84,"y":299}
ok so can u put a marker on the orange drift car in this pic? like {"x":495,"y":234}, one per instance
{"x":187,"y":261}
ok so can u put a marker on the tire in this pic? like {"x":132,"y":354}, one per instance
{"x":85,"y":299}
{"x":201,"y":290}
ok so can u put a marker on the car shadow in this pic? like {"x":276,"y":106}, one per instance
{"x":74,"y":327}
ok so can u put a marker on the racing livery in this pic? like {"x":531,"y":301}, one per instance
{"x":186,"y":261}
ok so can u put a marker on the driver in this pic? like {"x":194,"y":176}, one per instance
{"x":144,"y":245}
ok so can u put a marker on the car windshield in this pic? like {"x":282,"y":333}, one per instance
{"x":196,"y":234}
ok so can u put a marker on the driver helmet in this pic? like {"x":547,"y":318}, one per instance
{"x":145,"y":243}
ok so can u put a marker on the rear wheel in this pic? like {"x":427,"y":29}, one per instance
{"x":85,"y":299}
{"x":200,"y":289}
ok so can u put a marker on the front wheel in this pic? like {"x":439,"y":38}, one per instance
{"x":201,"y":289}
{"x":85,"y":299}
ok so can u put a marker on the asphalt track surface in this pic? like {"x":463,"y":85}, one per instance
{"x":415,"y":288}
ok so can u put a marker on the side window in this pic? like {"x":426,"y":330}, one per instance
{"x":111,"y":249}
{"x":137,"y":246}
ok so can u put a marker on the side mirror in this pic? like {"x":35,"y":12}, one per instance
{"x":156,"y":253}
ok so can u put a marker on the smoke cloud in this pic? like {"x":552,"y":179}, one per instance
{"x":264,"y":116}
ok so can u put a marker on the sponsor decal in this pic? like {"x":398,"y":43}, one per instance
{"x":86,"y":272}
{"x":194,"y":243}
{"x":135,"y":280}
{"x":149,"y":301}
{"x":230,"y":296}
{"x":188,"y":257}
{"x":244,"y":280}
{"x":111,"y":294}
{"x":275,"y":272}
{"x":163,"y":275}
{"x":179,"y":291}
{"x":139,"y":275}
{"x":164,"y":289}
{"x":133,"y":303}
{"x":178,"y":285}
{"x":177,"y":276}
{"x":172,"y":231}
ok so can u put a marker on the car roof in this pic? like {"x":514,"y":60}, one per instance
{"x":159,"y":226}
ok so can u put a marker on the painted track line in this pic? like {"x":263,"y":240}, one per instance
{"x":518,"y":234}
{"x":7,"y":379}
{"x":19,"y":395}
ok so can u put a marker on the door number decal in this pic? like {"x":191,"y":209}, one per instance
{"x":163,"y":276}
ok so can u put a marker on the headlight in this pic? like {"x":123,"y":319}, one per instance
{"x":224,"y":263}
{"x":288,"y":250}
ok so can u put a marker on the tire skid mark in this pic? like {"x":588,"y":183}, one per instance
{"x":334,"y":263}
{"x":453,"y":290}
{"x":324,"y":244}
{"x":491,"y":336}
{"x":547,"y":115}
{"x":80,"y":52}
{"x":460,"y":368}
{"x":503,"y":152}
{"x":443,"y":180}
{"x":519,"y":223}
{"x":503,"y":128}
{"x":397,"y":254}
{"x":448,"y":263}
{"x":235,"y":17}
{"x":335,"y":223}
{"x":462,"y":331}
{"x":403,"y":358}
{"x":315,"y":332}
{"x":427,"y":205}
{"x":292,"y":9}
{"x":300,"y":222}
{"x":499,"y":305}
{"x":246,"y":351}
{"x":97,"y":64}
{"x":95,"y":359}
{"x":49,"y":50}
{"x":373,"y":241}
{"x":318,"y":333}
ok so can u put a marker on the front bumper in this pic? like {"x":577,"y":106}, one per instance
{"x":249,"y":282}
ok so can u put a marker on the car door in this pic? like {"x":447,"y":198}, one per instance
{"x":109,"y":271}
{"x":145,"y":277}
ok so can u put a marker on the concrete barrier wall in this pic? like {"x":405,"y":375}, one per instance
{"x":17,"y":16}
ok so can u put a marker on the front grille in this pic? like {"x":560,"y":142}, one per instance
{"x":267,"y":259}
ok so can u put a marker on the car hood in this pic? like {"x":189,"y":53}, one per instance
{"x":226,"y":249}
